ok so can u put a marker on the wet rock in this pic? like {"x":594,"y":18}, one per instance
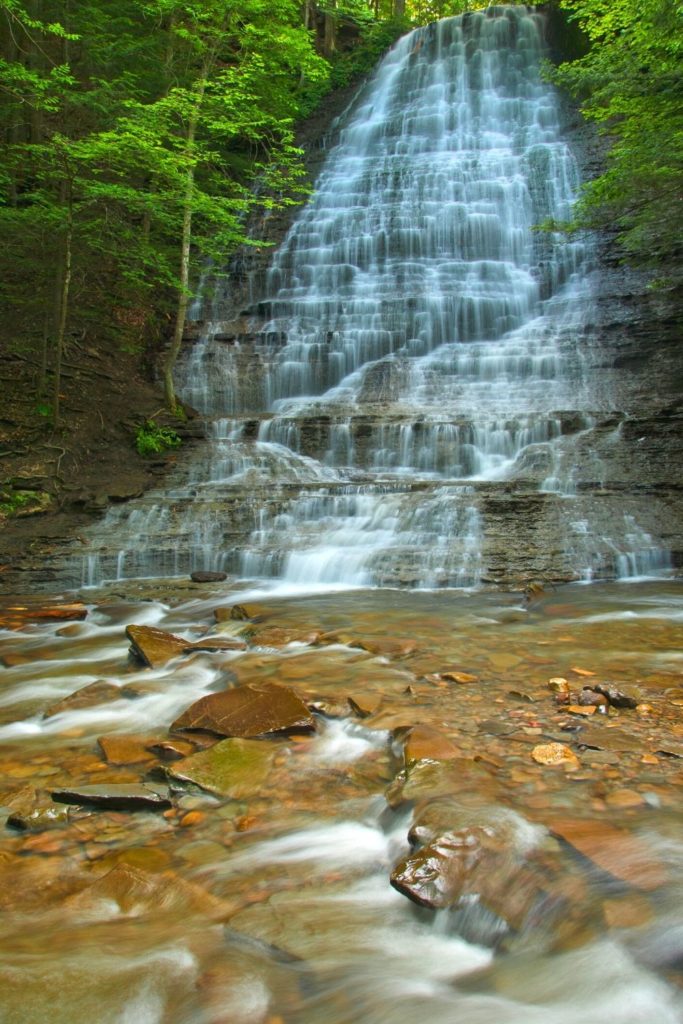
{"x":33,"y":810}
{"x":558,"y":684}
{"x":234,"y":768}
{"x":426,"y":780}
{"x":13,"y":616}
{"x":117,"y":796}
{"x":590,"y":698}
{"x":477,"y":860}
{"x":248,"y":711}
{"x":424,"y":743}
{"x":208,"y":577}
{"x":329,"y":708}
{"x":136,"y":892}
{"x":155,"y":648}
{"x":555,"y":754}
{"x":580,"y":709}
{"x":281,"y":636}
{"x":455,"y":676}
{"x":365,"y":704}
{"x":99,"y":692}
{"x":171,"y":750}
{"x":388,"y":648}
{"x":615,"y":697}
{"x":126,"y":749}
{"x":239,"y":613}
{"x":620,"y":853}
{"x":435,"y":876}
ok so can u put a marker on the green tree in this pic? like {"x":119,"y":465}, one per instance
{"x":630,"y":83}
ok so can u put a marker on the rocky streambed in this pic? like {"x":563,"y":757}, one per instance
{"x":222,"y":805}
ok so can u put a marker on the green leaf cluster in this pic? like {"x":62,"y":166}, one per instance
{"x":151,"y":439}
{"x":630,"y":84}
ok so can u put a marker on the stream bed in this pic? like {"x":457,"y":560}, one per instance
{"x":526,"y":887}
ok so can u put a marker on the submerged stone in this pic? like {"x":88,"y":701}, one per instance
{"x":126,"y":749}
{"x":99,"y":692}
{"x":117,"y":796}
{"x":620,"y":853}
{"x":248,"y":711}
{"x":236,"y":768}
{"x":136,"y":892}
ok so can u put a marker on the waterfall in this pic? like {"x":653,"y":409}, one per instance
{"x":409,"y":403}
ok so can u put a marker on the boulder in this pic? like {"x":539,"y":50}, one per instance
{"x":248,"y":711}
{"x":233,"y":768}
{"x":208,"y":577}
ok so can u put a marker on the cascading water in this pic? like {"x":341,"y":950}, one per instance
{"x":417,"y":357}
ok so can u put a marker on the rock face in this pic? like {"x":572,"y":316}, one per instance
{"x":248,"y":711}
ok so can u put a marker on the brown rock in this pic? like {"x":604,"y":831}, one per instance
{"x":554,"y":754}
{"x":365,"y":704}
{"x":435,"y":876}
{"x":234,"y":768}
{"x":248,"y":711}
{"x":155,"y":648}
{"x":625,"y":798}
{"x":117,"y":796}
{"x":99,"y":692}
{"x":616,"y":698}
{"x":423,"y":743}
{"x":580,"y":709}
{"x":14,"y":616}
{"x":138,"y":892}
{"x":126,"y":749}
{"x":201,"y":576}
{"x":616,"y":851}
{"x":591,"y":698}
{"x":171,"y":750}
{"x":279,"y":636}
{"x":453,"y":676}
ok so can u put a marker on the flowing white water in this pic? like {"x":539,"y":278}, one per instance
{"x":416,"y":332}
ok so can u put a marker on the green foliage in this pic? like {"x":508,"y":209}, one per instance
{"x":630,"y":84}
{"x":151,"y":439}
{"x":22,"y":502}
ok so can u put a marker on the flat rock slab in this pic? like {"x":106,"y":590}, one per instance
{"x":248,"y":711}
{"x":126,"y":749}
{"x":618,"y":852}
{"x":13,"y":616}
{"x":201,"y":576}
{"x":235,"y":768}
{"x":117,"y":796}
{"x":155,"y":647}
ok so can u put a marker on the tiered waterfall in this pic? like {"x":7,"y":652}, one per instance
{"x":410,"y":397}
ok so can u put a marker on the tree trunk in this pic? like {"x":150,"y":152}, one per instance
{"x":330,"y":42}
{"x":63,"y":308}
{"x":185,"y":246}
